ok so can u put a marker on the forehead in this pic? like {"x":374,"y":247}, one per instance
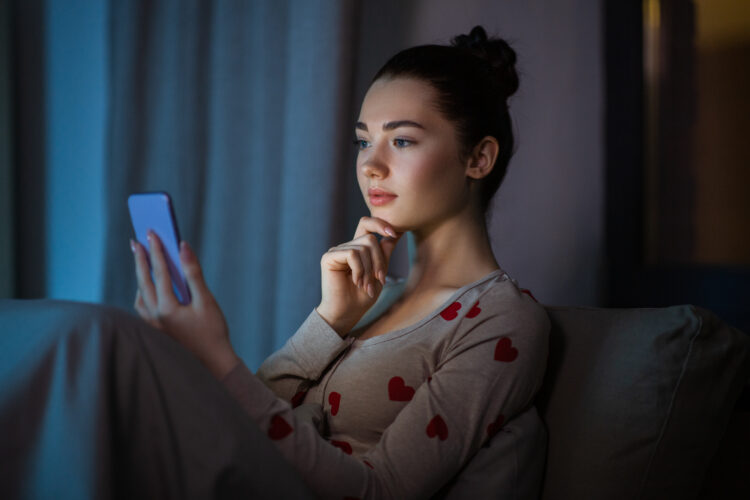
{"x":399,"y":99}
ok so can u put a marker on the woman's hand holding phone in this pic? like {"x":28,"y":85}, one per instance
{"x":200,"y":325}
{"x":353,"y":274}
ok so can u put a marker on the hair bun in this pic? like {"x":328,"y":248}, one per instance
{"x":496,"y":53}
{"x":476,"y":37}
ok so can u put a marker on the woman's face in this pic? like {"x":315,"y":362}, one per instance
{"x":409,"y":152}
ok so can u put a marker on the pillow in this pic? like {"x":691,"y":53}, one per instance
{"x":636,"y":400}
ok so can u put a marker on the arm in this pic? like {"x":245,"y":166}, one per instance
{"x":306,"y":355}
{"x":449,"y":418}
{"x":303,"y":358}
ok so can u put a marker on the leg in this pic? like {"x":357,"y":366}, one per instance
{"x":94,"y":403}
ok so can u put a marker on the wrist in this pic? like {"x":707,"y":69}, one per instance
{"x":340,"y":324}
{"x":221,"y":362}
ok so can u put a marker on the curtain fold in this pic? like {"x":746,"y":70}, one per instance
{"x":240,"y":110}
{"x":7,"y":276}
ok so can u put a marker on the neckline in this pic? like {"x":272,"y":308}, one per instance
{"x":402,"y":331}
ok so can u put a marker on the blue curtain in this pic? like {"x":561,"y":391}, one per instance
{"x":242,"y":111}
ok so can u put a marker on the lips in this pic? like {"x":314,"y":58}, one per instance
{"x":379,"y":192}
{"x":380,"y":197}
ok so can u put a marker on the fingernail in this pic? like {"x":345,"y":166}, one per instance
{"x":132,"y":245}
{"x":149,"y":233}
{"x":381,"y":277}
{"x":390,"y":232}
{"x":370,"y":290}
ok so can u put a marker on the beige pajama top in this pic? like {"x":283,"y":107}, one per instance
{"x":442,"y":408}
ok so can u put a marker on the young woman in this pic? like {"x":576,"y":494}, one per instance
{"x":431,"y":394}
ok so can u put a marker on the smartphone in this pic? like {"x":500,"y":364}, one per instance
{"x":154,"y":211}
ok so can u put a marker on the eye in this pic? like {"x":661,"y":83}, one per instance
{"x":360,"y":143}
{"x":402,"y":143}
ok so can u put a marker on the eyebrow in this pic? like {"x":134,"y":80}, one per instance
{"x":391,"y":125}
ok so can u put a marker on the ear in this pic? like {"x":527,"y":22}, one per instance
{"x":482,"y":158}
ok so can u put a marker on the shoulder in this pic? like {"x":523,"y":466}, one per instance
{"x":501,"y":310}
{"x":503,"y":303}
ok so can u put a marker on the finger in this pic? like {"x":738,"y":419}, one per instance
{"x":379,"y":266}
{"x":162,"y":281}
{"x":193,"y":274}
{"x":354,"y":261}
{"x":359,"y":261}
{"x":379,"y":257}
{"x":374,"y":225}
{"x":144,"y":313}
{"x":342,"y":259}
{"x":382,"y":251}
{"x":387,"y":245}
{"x":365,"y":256}
{"x":142,"y":274}
{"x":140,"y":306}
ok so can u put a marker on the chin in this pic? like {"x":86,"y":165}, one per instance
{"x":377,"y":213}
{"x":399,"y":226}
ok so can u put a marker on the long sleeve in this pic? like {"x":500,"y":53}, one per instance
{"x":486,"y":375}
{"x":315,"y":345}
{"x":303,"y":358}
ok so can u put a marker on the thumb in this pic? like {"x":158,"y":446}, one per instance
{"x":193,"y":273}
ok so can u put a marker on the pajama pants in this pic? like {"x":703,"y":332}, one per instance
{"x":94,"y":403}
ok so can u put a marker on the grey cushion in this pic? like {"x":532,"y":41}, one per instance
{"x":636,"y":400}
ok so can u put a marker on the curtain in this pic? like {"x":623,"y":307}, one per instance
{"x":7,"y":278}
{"x":242,"y":112}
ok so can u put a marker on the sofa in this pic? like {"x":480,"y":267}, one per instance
{"x":638,"y":403}
{"x":645,"y":403}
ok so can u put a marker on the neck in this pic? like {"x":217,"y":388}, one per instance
{"x":452,"y":253}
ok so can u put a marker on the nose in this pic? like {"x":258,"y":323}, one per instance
{"x":373,"y":166}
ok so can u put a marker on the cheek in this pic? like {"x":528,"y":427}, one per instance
{"x":436,"y":177}
{"x":361,"y":179}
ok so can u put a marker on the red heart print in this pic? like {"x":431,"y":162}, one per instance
{"x":437,"y":427}
{"x":279,"y":428}
{"x":504,"y":351}
{"x":451,"y":311}
{"x":495,"y":426}
{"x":399,"y":391}
{"x":528,"y":292}
{"x":334,"y":399}
{"x":474,"y":311}
{"x":368,"y":464}
{"x":345,"y":447}
{"x":298,"y":398}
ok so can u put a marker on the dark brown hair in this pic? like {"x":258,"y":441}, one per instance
{"x":474,"y":76}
